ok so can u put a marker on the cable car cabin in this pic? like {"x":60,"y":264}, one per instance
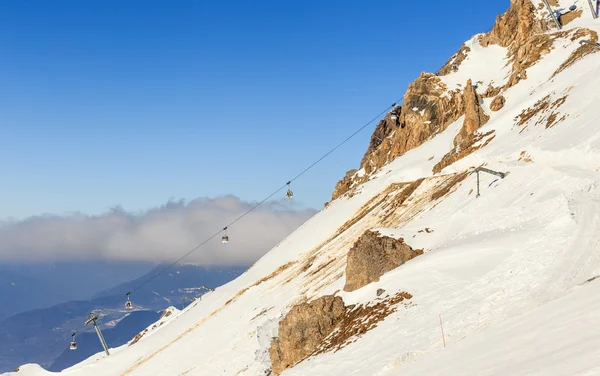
{"x":225,"y":239}
{"x":394,"y":113}
{"x":73,"y":345}
{"x":128,"y":304}
{"x":289,"y":194}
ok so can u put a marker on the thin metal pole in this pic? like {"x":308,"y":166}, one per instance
{"x":92,"y":317}
{"x":593,"y":9}
{"x":478,"y":184}
{"x":99,"y":332}
{"x":558,"y":25}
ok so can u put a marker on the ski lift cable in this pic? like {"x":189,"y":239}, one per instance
{"x":62,"y":341}
{"x":214,"y":235}
{"x":265,"y":199}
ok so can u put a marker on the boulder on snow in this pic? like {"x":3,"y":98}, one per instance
{"x":497,"y":103}
{"x":372,"y":256}
{"x":303,"y":330}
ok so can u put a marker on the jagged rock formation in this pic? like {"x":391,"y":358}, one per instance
{"x":454,"y":61}
{"x":426,"y":112}
{"x":429,"y":107}
{"x":520,"y":31}
{"x":475,"y":117}
{"x":374,"y":255}
{"x":326,"y":324}
{"x":303,"y":329}
{"x":491,"y":91}
{"x":344,"y":185}
{"x":497,"y":103}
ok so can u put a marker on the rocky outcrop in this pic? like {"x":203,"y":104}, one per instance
{"x":475,"y":117}
{"x":520,"y":30}
{"x":516,"y":25}
{"x":454,"y":61}
{"x":497,"y":103}
{"x":344,"y":185}
{"x":428,"y":110}
{"x":491,"y":91}
{"x":425,"y":113}
{"x":303,"y":330}
{"x":582,"y":51}
{"x":429,"y":107}
{"x":372,"y":256}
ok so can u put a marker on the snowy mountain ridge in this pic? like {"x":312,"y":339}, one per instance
{"x":510,"y":276}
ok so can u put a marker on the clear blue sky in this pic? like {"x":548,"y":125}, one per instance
{"x":129,"y":103}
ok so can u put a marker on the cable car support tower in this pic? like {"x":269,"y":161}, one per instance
{"x":92,"y":317}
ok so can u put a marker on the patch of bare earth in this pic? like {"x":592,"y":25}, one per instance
{"x":469,"y":146}
{"x":138,"y":336}
{"x":583,"y":50}
{"x":359,"y":320}
{"x":525,"y":157}
{"x":448,"y":185}
{"x":546,"y":112}
{"x":261,"y":313}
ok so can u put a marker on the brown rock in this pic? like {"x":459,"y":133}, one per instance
{"x":344,"y":185}
{"x":567,"y":18}
{"x":475,"y":117}
{"x":425,"y":113}
{"x":303,"y":330}
{"x":372,"y":256}
{"x":521,"y":32}
{"x":497,"y":103}
{"x":491,"y":91}
{"x":454,"y":61}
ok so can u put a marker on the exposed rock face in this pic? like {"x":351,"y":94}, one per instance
{"x":372,"y":256}
{"x":491,"y":91}
{"x":519,"y":29}
{"x":497,"y":103}
{"x":425,"y":113}
{"x":429,"y":107}
{"x":303,"y":329}
{"x":475,"y":117}
{"x":344,"y":185}
{"x":454,"y":61}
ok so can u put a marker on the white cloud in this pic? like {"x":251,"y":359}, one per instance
{"x":164,"y":233}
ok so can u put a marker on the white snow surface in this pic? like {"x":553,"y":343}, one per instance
{"x":510,"y":273}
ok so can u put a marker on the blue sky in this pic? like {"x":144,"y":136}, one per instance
{"x":132,"y":102}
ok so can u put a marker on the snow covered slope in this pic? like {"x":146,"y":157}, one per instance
{"x":510,"y":274}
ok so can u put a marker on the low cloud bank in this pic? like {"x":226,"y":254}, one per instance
{"x":161,"y":234}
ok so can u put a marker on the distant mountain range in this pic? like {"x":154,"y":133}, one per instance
{"x":27,"y":286}
{"x":36,"y":335}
